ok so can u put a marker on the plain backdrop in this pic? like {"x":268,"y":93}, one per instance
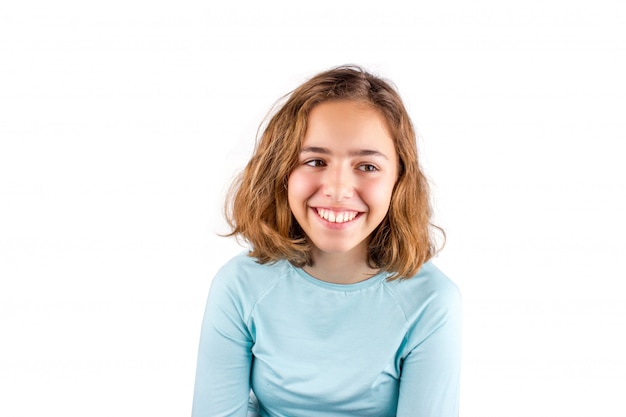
{"x":122,"y":123}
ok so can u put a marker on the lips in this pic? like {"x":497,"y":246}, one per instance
{"x":334,"y":216}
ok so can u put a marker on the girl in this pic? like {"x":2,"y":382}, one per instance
{"x":336,"y":309}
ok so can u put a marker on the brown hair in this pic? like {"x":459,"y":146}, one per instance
{"x":257,"y":208}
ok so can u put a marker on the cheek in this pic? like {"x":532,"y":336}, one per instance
{"x":379,"y":195}
{"x":297,"y":189}
{"x":300,"y":185}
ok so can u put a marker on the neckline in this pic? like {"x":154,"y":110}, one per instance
{"x":373,"y":280}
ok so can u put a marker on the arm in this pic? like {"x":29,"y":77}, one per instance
{"x":429,"y":383}
{"x":222,"y":385}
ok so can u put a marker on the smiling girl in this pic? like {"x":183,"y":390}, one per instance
{"x":336,"y":309}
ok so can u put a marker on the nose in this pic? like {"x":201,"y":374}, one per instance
{"x":338,"y":183}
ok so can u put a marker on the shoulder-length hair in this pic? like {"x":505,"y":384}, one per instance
{"x":257,"y":208}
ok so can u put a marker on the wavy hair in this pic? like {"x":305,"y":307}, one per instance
{"x":257,"y":207}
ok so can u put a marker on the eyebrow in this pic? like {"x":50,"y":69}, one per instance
{"x":359,"y":152}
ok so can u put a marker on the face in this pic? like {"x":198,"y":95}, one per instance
{"x":341,"y":189}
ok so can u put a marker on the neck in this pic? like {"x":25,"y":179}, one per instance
{"x":340,"y":268}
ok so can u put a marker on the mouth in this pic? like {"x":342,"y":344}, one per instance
{"x":332,"y":216}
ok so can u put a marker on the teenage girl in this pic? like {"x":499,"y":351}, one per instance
{"x":336,"y":309}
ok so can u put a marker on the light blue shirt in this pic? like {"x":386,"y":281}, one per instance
{"x":308,"y":348}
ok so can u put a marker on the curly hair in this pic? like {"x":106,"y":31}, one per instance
{"x":257,"y":208}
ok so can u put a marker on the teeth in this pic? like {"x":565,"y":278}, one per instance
{"x":339,"y":217}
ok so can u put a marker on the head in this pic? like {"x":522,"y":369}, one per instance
{"x":258,"y":208}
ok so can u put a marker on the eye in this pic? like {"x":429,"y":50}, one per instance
{"x":315,"y":163}
{"x":367,"y":168}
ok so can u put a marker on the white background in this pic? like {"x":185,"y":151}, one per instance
{"x":121,"y":123}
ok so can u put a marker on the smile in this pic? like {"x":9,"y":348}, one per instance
{"x":336,"y":216}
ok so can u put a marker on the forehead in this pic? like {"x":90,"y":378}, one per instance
{"x":355,"y":122}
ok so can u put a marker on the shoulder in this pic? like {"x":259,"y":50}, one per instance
{"x":430,"y":292}
{"x":243,"y":275}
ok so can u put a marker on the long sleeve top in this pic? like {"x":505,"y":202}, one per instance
{"x":277,"y":342}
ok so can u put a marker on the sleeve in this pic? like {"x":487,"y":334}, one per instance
{"x":430,"y":378}
{"x":222,"y":386}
